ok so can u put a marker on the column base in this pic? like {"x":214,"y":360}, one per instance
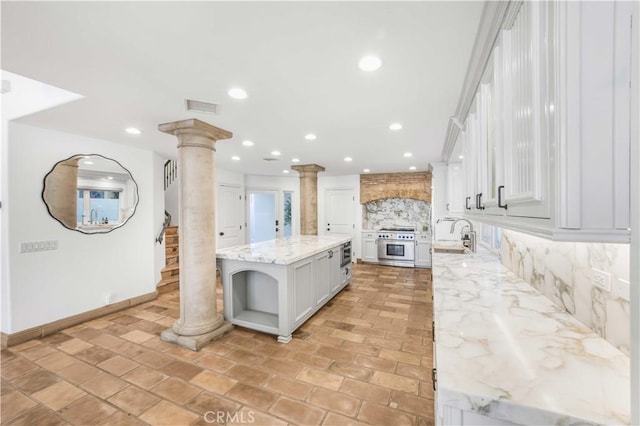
{"x":195,"y":343}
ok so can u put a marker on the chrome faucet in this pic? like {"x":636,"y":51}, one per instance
{"x":92,"y":212}
{"x":468,"y":239}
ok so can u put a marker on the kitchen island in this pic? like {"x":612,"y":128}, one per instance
{"x":275,"y":286}
{"x":505,"y":354}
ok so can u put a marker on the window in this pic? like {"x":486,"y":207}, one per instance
{"x":97,"y":206}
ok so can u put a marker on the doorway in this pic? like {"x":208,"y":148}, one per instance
{"x":230,"y":210}
{"x":262,"y":208}
{"x":339,"y":211}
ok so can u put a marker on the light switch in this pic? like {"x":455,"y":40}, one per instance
{"x":33,"y":246}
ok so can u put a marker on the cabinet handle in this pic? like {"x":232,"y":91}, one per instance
{"x":221,"y":234}
{"x":330,"y":254}
{"x":434,"y":378}
{"x":466,"y":203}
{"x":500,"y":190}
{"x":479,"y":205}
{"x":447,"y":208}
{"x":433,"y":331}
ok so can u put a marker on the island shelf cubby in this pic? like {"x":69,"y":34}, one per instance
{"x":254,"y":298}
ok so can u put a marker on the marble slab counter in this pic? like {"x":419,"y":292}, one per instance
{"x":283,"y":251}
{"x":506,"y":352}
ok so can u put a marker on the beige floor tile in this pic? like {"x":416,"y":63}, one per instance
{"x":73,"y":346}
{"x":78,"y":373}
{"x":208,"y":402}
{"x":95,"y":355}
{"x":35,"y":381}
{"x":86,"y":410}
{"x":413,"y":404}
{"x":376,"y":363}
{"x":251,"y":395}
{"x":167,"y":414}
{"x":395,"y":382}
{"x":214,"y":382}
{"x":366,"y":391}
{"x":104,"y":385}
{"x":407,"y":358}
{"x":320,"y":378}
{"x":334,"y":419}
{"x":215,"y":363}
{"x":37,"y":416}
{"x":137,"y":336}
{"x":13,"y":404}
{"x":118,"y":365}
{"x":56,"y":361}
{"x":176,"y":390}
{"x":311,"y":360}
{"x":297,"y":412}
{"x":380,"y":415}
{"x":286,"y":368}
{"x":59,"y":395}
{"x":134,"y":400}
{"x":346,"y":369}
{"x":17,"y":367}
{"x":144,"y":377}
{"x":289,"y":387}
{"x":153,"y":359}
{"x":37,"y":351}
{"x":256,"y":418}
{"x":334,"y":401}
{"x":181,"y":369}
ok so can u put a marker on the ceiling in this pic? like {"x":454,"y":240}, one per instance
{"x":135,"y":63}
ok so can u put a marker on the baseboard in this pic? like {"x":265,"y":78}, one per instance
{"x":13,"y":339}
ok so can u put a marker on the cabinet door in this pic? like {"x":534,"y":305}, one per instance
{"x":303,"y":289}
{"x":369,"y":248}
{"x":527,"y":49}
{"x":323,"y":275}
{"x":423,"y":254}
{"x":455,"y":188}
{"x":335,"y":276}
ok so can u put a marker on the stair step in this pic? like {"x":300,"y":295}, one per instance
{"x":172,"y":260}
{"x":167,"y":285}
{"x":171,"y":240}
{"x":171,"y":230}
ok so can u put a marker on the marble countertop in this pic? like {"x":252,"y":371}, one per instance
{"x":506,"y":351}
{"x":283,"y":251}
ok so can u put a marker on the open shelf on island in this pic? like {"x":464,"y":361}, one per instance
{"x":255,"y":300}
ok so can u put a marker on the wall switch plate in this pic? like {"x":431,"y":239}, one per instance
{"x":601,"y":279}
{"x":621,"y":289}
{"x":33,"y":246}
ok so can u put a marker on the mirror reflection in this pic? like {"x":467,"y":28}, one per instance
{"x":90,"y":193}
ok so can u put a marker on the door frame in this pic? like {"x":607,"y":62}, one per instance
{"x":242,"y":192}
{"x":278,"y":195}
{"x":325,"y":205}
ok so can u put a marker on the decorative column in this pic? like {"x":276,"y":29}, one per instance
{"x":199,"y":321}
{"x":308,"y":197}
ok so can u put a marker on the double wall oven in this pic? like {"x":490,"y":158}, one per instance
{"x":397,"y":246}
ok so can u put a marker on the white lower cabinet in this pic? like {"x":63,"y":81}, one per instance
{"x":370,"y":247}
{"x":423,"y":251}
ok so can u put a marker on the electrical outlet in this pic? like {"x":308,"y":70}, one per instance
{"x":601,"y":279}
{"x":108,"y":299}
{"x":621,"y":289}
{"x":33,"y":246}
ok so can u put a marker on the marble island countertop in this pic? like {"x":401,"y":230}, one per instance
{"x":283,"y":251}
{"x":506,"y":351}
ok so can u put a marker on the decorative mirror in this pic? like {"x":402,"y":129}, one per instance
{"x":92,"y":194}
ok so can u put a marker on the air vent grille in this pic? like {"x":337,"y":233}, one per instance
{"x":270,"y":159}
{"x":200,"y":106}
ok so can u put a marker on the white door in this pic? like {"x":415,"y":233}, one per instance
{"x":262,"y":211}
{"x":339,"y":211}
{"x":230,"y":211}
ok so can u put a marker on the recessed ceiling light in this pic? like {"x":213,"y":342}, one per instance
{"x":133,"y":131}
{"x":408,"y":154}
{"x":237,"y":93}
{"x":87,"y":162}
{"x":366,"y":170}
{"x":310,"y":137}
{"x":461,"y":156}
{"x":370,"y":63}
{"x":285,"y":171}
{"x":109,"y":177}
{"x":395,"y":126}
{"x":412,"y":168}
{"x":347,"y":159}
{"x":247,"y":143}
{"x":295,"y":160}
{"x":275,"y":153}
{"x":235,"y":158}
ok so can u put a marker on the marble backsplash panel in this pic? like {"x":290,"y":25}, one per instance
{"x":562,"y":272}
{"x":395,"y":211}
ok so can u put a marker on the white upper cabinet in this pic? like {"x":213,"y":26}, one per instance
{"x":546,"y":134}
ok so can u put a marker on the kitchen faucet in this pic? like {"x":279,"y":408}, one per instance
{"x":92,"y":212}
{"x":468,"y":239}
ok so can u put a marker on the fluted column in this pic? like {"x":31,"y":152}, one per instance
{"x":199,"y":320}
{"x":308,"y":197}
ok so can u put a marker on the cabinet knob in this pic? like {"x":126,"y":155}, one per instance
{"x":222,"y":233}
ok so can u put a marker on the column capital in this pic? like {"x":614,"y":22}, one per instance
{"x":308,"y":168}
{"x":195,"y":127}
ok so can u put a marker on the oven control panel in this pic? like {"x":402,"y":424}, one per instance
{"x":401,"y":236}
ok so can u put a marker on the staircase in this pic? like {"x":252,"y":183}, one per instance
{"x":171,"y":272}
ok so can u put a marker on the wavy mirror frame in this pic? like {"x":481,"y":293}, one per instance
{"x":60,"y":195}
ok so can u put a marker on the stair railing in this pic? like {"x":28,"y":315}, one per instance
{"x":170,"y":172}
{"x":165,"y":224}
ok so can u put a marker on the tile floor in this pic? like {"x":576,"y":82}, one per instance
{"x":365,"y":358}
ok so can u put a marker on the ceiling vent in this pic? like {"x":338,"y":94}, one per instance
{"x":200,"y":106}
{"x":270,"y":159}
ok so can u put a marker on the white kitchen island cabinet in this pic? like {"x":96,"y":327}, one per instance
{"x":275,"y":286}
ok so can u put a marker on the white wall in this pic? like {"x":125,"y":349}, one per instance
{"x":49,"y":285}
{"x":158,"y":215}
{"x":341,"y":182}
{"x":5,"y":290}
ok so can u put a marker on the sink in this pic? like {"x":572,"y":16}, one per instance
{"x":449,"y":248}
